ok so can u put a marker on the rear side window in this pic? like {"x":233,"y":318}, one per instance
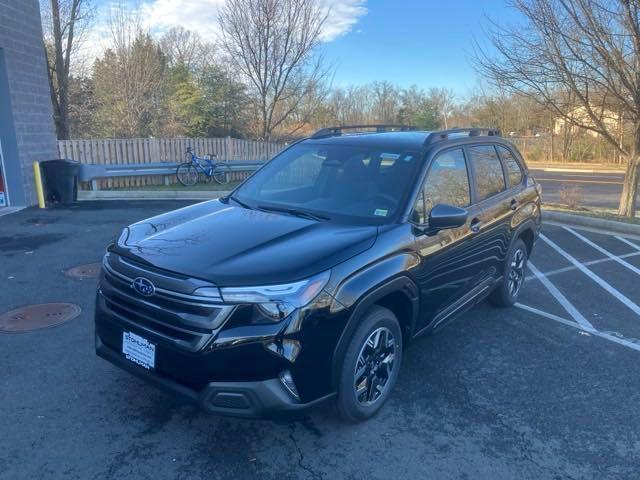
{"x":447,"y":182}
{"x":514,"y":172}
{"x":488,"y":171}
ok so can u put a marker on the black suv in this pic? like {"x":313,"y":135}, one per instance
{"x":310,"y":279}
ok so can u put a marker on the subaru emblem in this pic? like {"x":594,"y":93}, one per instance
{"x":143,"y":286}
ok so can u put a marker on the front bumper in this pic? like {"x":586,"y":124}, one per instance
{"x":256,"y":399}
{"x":213,"y":354}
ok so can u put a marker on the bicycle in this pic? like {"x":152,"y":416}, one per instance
{"x":188,"y":173}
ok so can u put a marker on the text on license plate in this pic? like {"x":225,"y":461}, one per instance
{"x":139,"y":350}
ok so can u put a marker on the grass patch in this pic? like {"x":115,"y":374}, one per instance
{"x":603,"y":213}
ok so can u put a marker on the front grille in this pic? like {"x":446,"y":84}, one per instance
{"x":133,"y":315}
{"x":172,"y":312}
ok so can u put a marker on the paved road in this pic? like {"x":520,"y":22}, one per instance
{"x":547,"y":390}
{"x":600,"y":190}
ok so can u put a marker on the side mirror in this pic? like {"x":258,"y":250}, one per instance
{"x":444,"y":216}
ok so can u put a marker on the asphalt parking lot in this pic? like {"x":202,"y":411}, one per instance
{"x":547,"y":390}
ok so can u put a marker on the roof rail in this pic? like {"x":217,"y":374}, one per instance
{"x":337,"y":131}
{"x":471,"y":132}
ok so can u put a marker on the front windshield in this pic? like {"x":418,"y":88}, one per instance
{"x":336,"y":181}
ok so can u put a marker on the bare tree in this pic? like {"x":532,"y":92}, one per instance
{"x":64,"y":21}
{"x":183,"y":47}
{"x":576,"y":55}
{"x":444,"y":100}
{"x":386,"y":100}
{"x":273,"y":45}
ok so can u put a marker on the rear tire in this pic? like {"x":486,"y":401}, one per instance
{"x":187,"y":174}
{"x":370,"y":365}
{"x":515,"y":270}
{"x":221,"y":173}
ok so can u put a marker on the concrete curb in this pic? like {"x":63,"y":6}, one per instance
{"x":585,"y":221}
{"x":9,"y":210}
{"x":149,"y":194}
{"x":576,"y":167}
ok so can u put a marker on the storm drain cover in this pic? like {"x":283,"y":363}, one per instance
{"x":90,"y":270}
{"x":33,"y":317}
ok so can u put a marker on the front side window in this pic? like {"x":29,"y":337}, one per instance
{"x":514,"y":172}
{"x":447,"y":182}
{"x":488,"y":171}
{"x":338,"y":181}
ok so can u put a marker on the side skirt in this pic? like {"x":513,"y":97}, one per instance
{"x":464,"y":303}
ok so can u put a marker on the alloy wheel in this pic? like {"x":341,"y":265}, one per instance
{"x":516,"y":272}
{"x":374,"y":366}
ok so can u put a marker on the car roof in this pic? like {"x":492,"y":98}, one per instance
{"x":413,"y":140}
{"x":402,"y":140}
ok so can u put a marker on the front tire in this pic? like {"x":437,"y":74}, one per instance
{"x":507,"y":293}
{"x":187,"y":174}
{"x":370,"y":366}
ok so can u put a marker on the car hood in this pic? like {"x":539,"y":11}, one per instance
{"x":233,"y":246}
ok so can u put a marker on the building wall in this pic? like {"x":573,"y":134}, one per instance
{"x":29,"y":97}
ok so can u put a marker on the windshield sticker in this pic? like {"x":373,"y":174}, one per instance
{"x":381,"y":212}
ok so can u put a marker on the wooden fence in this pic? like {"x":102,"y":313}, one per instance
{"x":147,"y":150}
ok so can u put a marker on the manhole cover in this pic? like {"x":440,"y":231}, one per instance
{"x":90,"y":270}
{"x":33,"y":317}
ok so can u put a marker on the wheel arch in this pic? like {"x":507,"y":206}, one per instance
{"x":400,"y":295}
{"x":527,"y":233}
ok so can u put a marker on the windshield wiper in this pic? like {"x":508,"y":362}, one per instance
{"x":242,"y":204}
{"x":293,"y":211}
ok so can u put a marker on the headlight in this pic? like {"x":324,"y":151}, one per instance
{"x":124,"y":235}
{"x":278,"y":301}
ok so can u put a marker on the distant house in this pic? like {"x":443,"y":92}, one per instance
{"x":610,"y":119}
{"x":26,"y":121}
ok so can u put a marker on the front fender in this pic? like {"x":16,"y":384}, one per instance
{"x":388,"y":277}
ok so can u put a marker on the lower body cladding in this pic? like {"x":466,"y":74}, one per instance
{"x":242,"y":370}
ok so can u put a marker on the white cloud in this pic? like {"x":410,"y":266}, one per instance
{"x":343,"y":15}
{"x":202,"y":16}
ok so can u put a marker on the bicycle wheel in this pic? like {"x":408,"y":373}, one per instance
{"x":221,"y":173}
{"x":187,"y":174}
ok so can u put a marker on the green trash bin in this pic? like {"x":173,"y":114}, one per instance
{"x":60,"y":179}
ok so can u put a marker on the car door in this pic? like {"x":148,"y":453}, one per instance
{"x":495,"y":205}
{"x":521,"y":199}
{"x":445,"y":274}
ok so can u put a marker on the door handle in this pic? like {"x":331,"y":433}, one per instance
{"x":475,"y":225}
{"x":514,"y":204}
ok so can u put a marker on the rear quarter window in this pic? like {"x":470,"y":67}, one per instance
{"x":488,"y":172}
{"x":514,"y":172}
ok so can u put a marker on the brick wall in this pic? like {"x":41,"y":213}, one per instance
{"x":21,"y":41}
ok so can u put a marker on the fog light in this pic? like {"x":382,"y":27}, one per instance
{"x":287,"y":380}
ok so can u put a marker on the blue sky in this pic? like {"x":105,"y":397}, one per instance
{"x":421,"y":42}
{"x":426,"y":43}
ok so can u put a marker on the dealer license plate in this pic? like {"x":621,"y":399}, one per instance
{"x":138,"y":350}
